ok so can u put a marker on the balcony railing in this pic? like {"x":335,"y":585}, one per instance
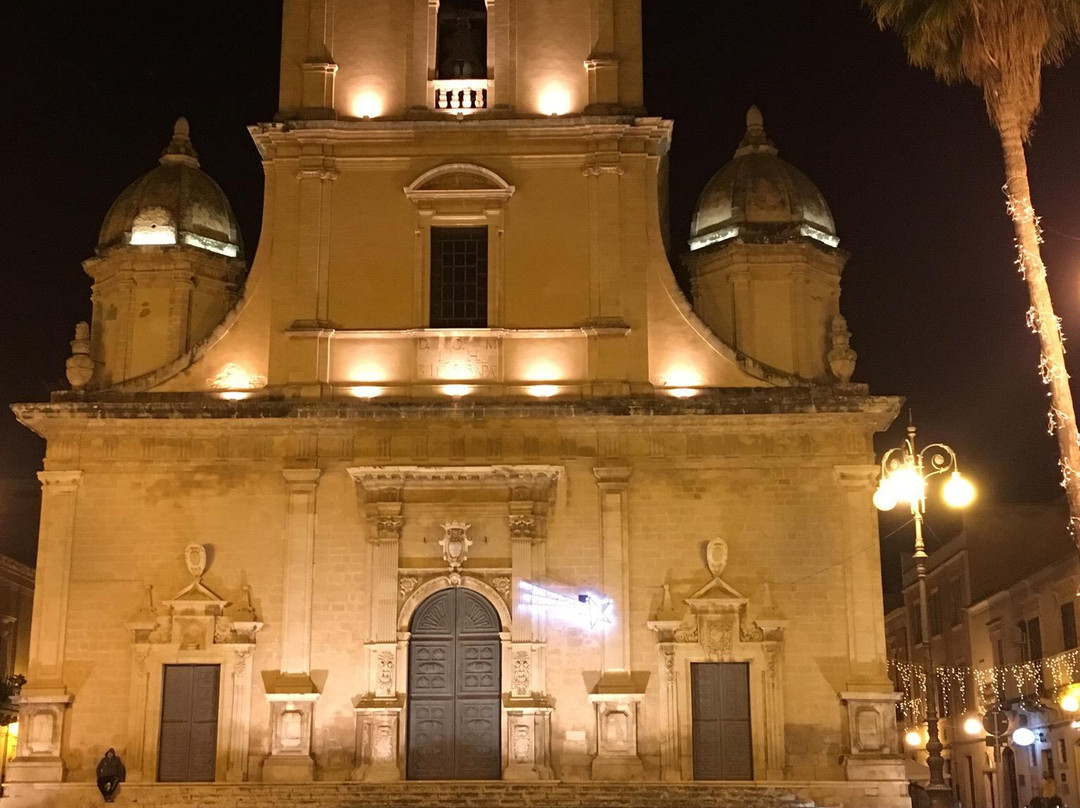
{"x":461,"y":95}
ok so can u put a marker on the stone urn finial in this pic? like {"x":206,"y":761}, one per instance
{"x":80,"y":367}
{"x":841,"y":356}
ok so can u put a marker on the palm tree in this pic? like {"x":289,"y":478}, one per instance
{"x":1001,"y":46}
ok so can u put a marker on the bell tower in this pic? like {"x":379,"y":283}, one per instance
{"x":407,"y":58}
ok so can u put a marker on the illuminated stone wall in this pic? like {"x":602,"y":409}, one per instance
{"x":598,"y":439}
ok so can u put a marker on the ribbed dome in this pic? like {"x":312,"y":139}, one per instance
{"x":759,"y":197}
{"x":175,"y":203}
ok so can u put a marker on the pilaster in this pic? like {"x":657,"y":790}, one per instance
{"x":319,"y":71}
{"x":872,"y":742}
{"x":44,"y":700}
{"x":862,"y":589}
{"x":293,"y":695}
{"x":613,"y":484}
{"x":528,"y":707}
{"x":618,"y":694}
{"x":603,"y":64}
{"x":378,"y":712}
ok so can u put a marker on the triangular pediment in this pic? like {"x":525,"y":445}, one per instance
{"x":716,"y":593}
{"x":196,"y":596}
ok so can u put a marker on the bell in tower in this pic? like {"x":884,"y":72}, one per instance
{"x":462,"y":44}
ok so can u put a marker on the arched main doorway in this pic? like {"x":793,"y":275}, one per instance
{"x":454,"y":689}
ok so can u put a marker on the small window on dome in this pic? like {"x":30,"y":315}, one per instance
{"x":153,"y":225}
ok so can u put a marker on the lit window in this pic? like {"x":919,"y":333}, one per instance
{"x":459,"y":277}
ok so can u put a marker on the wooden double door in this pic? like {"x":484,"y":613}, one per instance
{"x":454,"y":724}
{"x":189,"y":721}
{"x":720,"y":694}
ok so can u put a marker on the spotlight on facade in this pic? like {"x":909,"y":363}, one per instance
{"x":913,"y":738}
{"x":234,"y":395}
{"x":555,"y":100}
{"x":456,"y":390}
{"x":367,"y":105}
{"x":366,"y":391}
{"x":683,"y":392}
{"x":543,"y":390}
{"x":973,"y":726}
{"x":1023,"y":737}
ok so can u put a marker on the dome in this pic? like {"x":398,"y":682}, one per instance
{"x":175,"y":203}
{"x":760,"y":198}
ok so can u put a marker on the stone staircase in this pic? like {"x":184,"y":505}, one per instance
{"x":458,"y":794}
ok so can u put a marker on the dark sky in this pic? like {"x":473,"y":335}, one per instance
{"x":911,"y":169}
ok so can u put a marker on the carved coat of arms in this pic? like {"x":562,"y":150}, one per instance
{"x":455,"y":544}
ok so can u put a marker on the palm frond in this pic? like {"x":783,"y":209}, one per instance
{"x":1000,"y":46}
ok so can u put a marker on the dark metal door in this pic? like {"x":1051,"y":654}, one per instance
{"x":720,"y":692}
{"x":189,"y":712}
{"x":454,"y":685}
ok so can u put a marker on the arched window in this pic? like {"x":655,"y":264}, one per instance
{"x":461,"y":50}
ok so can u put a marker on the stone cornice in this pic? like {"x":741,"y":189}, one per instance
{"x":16,"y":572}
{"x":740,"y":402}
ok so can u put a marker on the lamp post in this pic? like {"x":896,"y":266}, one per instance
{"x":904,"y":473}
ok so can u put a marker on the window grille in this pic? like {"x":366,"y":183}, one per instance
{"x":459,"y":277}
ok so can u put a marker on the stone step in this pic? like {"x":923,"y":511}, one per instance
{"x":456,"y":794}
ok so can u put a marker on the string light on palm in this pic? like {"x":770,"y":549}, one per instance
{"x":905,"y":471}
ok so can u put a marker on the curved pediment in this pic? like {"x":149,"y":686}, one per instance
{"x":459,"y":180}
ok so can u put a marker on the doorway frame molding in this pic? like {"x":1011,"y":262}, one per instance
{"x":193,"y":628}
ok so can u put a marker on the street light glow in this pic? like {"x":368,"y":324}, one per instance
{"x":907,"y":485}
{"x":884,"y":498}
{"x":1070,"y":699}
{"x":958,"y":492}
{"x":1023,"y":737}
{"x":973,"y":725}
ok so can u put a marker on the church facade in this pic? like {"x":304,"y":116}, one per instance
{"x":450,"y":481}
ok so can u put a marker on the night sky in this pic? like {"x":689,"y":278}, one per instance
{"x":911,"y":169}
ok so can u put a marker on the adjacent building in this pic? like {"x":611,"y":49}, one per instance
{"x":449,"y":480}
{"x":1002,"y":598}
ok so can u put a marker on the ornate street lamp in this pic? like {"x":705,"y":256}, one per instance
{"x":904,"y":473}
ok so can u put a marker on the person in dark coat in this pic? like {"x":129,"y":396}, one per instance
{"x":110,"y":774}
